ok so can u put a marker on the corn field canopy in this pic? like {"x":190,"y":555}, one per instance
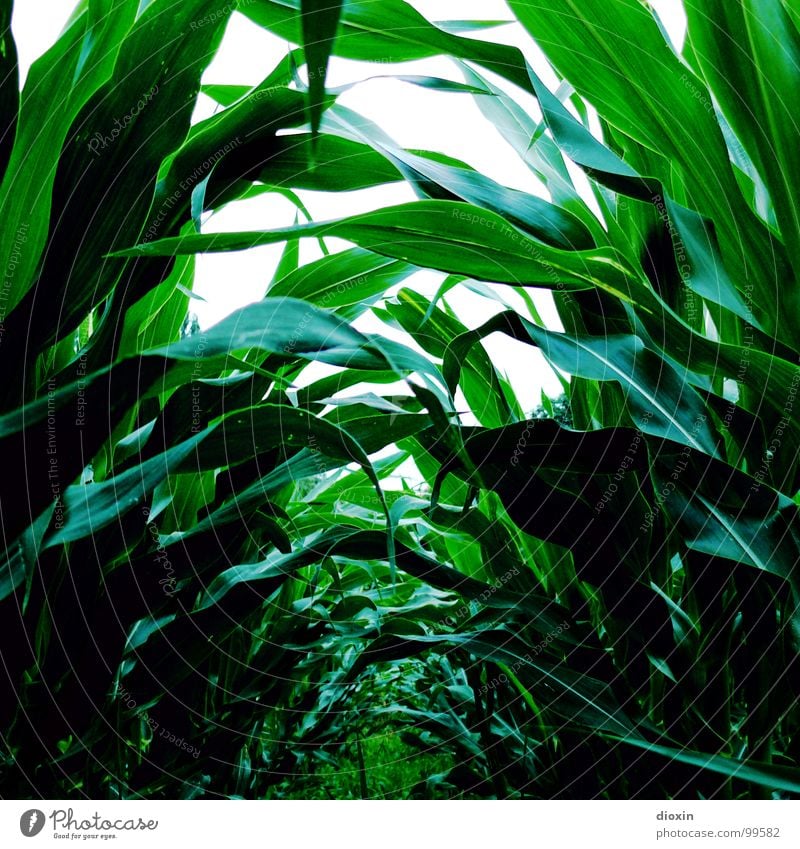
{"x":324,"y":548}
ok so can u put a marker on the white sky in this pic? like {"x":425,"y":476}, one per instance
{"x":413,"y":116}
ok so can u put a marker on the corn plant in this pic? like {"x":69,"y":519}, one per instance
{"x":219,"y":576}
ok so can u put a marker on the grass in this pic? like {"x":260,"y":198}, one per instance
{"x":392,"y":769}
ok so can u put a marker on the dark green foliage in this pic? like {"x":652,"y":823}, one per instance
{"x":220,"y":578}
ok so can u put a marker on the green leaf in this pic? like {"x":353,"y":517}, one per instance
{"x":320,"y":20}
{"x":439,"y":180}
{"x":433,"y":329}
{"x":120,"y":137}
{"x":281,"y":326}
{"x":9,"y":85}
{"x":660,"y":402}
{"x":701,"y":267}
{"x":749,"y":53}
{"x":453,"y":237}
{"x":70,"y":74}
{"x":352,"y":278}
{"x":89,"y":508}
{"x":768,"y":775}
{"x":392,"y":32}
{"x":579,"y":698}
{"x":617,"y":58}
{"x":723,"y":512}
{"x":339,"y":165}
